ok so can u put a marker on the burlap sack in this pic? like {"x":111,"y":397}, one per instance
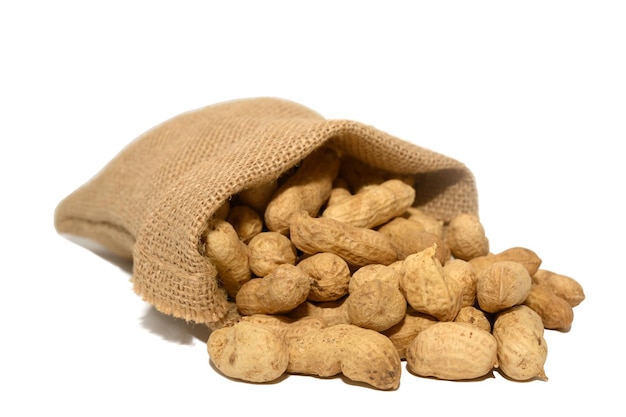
{"x":152,"y":202}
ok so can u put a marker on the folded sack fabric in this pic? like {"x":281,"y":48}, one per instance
{"x":153,"y":201}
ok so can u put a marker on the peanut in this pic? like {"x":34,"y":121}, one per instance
{"x":332,"y":312}
{"x":524,"y":256}
{"x":307,"y":190}
{"x":475,"y":316}
{"x":522,"y":350}
{"x":502,"y":285}
{"x":409,"y":237}
{"x":561,"y":285}
{"x":483,"y":262}
{"x":555,"y":312}
{"x":285,"y":327}
{"x":465,"y":236}
{"x":329,"y":276}
{"x":373,"y":272}
{"x":402,"y":234}
{"x":403,"y":333}
{"x":465,"y":275}
{"x":228,"y":254}
{"x":280,"y":291}
{"x":267,"y":250}
{"x":258,"y":196}
{"x":376,"y":305}
{"x":339,"y":192}
{"x":430,"y":223}
{"x":361,"y":355}
{"x":426,"y":287}
{"x":246,"y":222}
{"x":373,"y":206}
{"x":452,"y":351}
{"x":356,"y":245}
{"x":248,"y":352}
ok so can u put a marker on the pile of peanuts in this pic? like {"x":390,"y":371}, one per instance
{"x":333,"y":271}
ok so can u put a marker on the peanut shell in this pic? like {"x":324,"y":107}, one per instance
{"x":502,"y":285}
{"x":561,"y":285}
{"x":332,"y":312}
{"x":431,"y":223}
{"x":465,"y":275}
{"x":329,"y":276}
{"x":248,"y":352}
{"x":452,"y":351}
{"x":362,"y":355}
{"x":403,"y":333}
{"x":465,"y":236}
{"x":228,"y":254}
{"x":307,"y":189}
{"x":356,"y":245}
{"x":474,"y":316}
{"x":555,"y":312}
{"x":373,"y":206}
{"x":528,"y":258}
{"x":286,"y":327}
{"x":267,"y":250}
{"x":373,"y":272}
{"x":280,"y":291}
{"x":522,"y":350}
{"x":376,"y":305}
{"x":246,"y":222}
{"x":426,"y":287}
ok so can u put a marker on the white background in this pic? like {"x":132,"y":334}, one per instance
{"x":530,"y":95}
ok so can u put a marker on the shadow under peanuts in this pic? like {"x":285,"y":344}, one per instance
{"x":122,"y":263}
{"x":167,"y":327}
{"x":173,"y":329}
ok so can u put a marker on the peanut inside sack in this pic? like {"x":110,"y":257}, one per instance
{"x":160,"y":199}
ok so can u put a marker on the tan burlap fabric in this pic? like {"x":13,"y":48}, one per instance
{"x":151,"y":203}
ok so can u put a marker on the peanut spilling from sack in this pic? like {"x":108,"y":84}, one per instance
{"x":333,"y":271}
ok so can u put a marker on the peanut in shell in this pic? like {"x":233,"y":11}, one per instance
{"x":332,"y":312}
{"x":452,"y":351}
{"x":246,"y":222}
{"x":267,"y":250}
{"x":362,"y":355}
{"x":248,"y":352}
{"x":465,"y":275}
{"x":373,"y":272}
{"x":329,"y":276}
{"x":374,"y":206}
{"x":474,"y":316}
{"x":528,"y":258}
{"x":279,"y":292}
{"x":426,"y":287}
{"x":502,"y":285}
{"x":307,"y":189}
{"x":403,"y":333}
{"x":376,"y":305}
{"x":561,"y":285}
{"x":555,"y":312}
{"x":356,"y":245}
{"x":465,"y":236}
{"x":228,"y":254}
{"x":522,"y":349}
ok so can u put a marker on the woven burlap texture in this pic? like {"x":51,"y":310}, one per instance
{"x":152,"y":202}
